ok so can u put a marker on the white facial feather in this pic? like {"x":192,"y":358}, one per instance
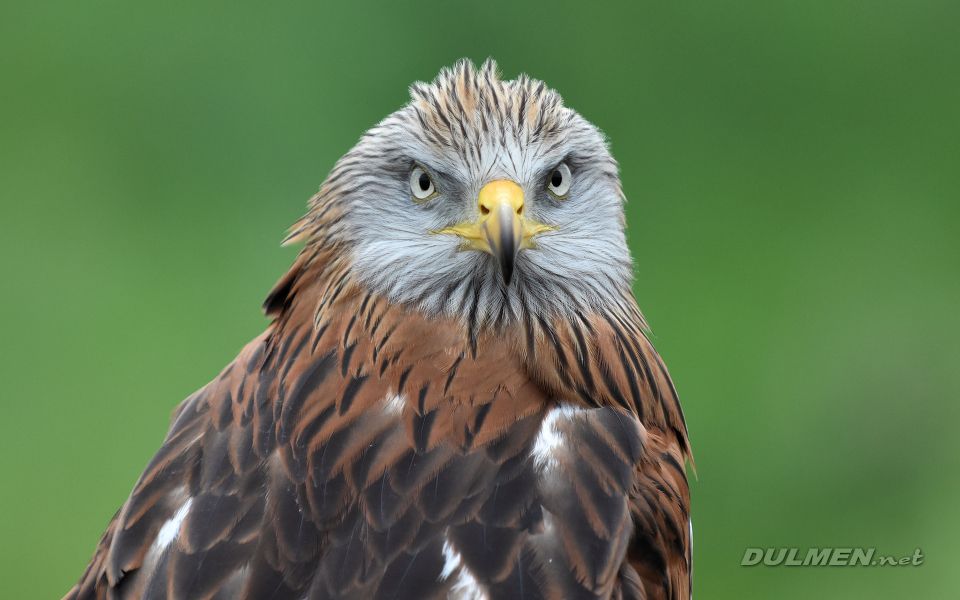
{"x":581,"y":265}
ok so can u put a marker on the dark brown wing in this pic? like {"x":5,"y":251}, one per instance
{"x":346,"y":457}
{"x":660,"y":551}
{"x":190,"y":516}
{"x":361,"y":451}
{"x":606,"y":359}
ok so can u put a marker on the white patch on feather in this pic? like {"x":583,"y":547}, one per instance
{"x":466,"y":586}
{"x":549,"y":440}
{"x":152,"y":557}
{"x":393,"y":403}
{"x":171,"y":528}
{"x":451,"y":560}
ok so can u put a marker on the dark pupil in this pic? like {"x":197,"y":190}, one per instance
{"x":557,"y":178}
{"x":424,"y":182}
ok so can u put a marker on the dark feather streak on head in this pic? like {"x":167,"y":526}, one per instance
{"x":470,"y":127}
{"x":460,"y":100}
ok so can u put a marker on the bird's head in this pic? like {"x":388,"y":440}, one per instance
{"x":482,"y":199}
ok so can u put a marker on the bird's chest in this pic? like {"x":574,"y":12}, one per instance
{"x":422,"y":455}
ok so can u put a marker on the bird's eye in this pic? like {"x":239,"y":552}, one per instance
{"x":421,"y":185}
{"x":559,"y":182}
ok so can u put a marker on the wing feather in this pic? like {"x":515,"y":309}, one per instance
{"x":359,"y":450}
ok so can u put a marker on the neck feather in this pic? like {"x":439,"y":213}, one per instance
{"x":600,"y":357}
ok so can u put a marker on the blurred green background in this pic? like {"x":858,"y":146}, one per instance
{"x":793,"y":175}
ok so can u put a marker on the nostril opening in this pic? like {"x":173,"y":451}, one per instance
{"x":520,"y":210}
{"x":484,"y":210}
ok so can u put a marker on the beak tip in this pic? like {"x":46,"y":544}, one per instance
{"x":507,"y":271}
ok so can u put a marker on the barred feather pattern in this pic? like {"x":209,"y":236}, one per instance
{"x":370,"y":446}
{"x":348,"y":456}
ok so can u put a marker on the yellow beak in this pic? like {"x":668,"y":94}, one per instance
{"x":503,"y":229}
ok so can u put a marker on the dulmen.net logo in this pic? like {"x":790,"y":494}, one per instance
{"x":823,"y":557}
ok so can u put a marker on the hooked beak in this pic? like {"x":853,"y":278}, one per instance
{"x":503,"y":229}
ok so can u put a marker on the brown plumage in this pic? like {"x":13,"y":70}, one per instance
{"x":369,"y":447}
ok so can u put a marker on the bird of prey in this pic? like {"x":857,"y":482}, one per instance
{"x":456,"y":397}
